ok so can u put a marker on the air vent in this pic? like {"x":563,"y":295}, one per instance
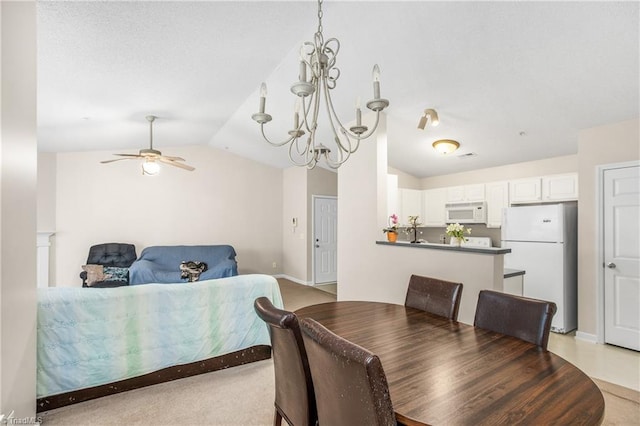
{"x":468,"y":155}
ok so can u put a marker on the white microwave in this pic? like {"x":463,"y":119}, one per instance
{"x":466,"y":212}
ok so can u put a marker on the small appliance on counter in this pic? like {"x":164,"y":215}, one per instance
{"x":480,"y":242}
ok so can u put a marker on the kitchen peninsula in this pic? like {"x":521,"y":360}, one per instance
{"x":477,"y":268}
{"x":448,"y":247}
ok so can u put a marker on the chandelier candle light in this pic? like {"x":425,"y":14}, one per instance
{"x":318,"y":60}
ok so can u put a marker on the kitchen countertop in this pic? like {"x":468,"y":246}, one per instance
{"x":434,"y":246}
{"x":508,"y":273}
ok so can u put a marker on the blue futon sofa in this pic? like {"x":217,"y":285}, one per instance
{"x":161,"y":264}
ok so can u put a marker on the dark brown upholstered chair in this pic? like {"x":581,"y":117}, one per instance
{"x":521,"y":317}
{"x":121,"y":255}
{"x":295,"y":399}
{"x":433,"y":295}
{"x":350,"y":384}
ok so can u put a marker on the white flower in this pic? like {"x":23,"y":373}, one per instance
{"x":456,"y":230}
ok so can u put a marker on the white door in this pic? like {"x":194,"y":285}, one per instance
{"x":325,"y":236}
{"x":621,"y":257}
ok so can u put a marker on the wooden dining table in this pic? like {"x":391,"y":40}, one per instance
{"x":442,"y":372}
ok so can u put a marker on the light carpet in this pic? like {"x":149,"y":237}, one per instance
{"x":244,"y":395}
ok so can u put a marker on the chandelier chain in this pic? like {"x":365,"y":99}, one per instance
{"x":320,"y":16}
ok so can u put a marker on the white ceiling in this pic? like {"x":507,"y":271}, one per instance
{"x":491,"y":69}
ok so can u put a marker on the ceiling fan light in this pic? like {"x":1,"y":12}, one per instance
{"x":446,"y":146}
{"x":150,"y":168}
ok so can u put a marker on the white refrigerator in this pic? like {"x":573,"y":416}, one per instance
{"x":543,"y":242}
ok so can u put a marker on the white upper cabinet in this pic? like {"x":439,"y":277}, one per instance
{"x":560,"y":187}
{"x":466,"y":193}
{"x":410,"y":205}
{"x":544,"y":189}
{"x":497,"y":194}
{"x":525,"y":190}
{"x":434,"y":201}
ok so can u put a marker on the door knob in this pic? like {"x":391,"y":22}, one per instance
{"x":317,"y":245}
{"x":611,"y":265}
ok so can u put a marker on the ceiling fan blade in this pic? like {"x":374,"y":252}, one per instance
{"x":164,"y":160}
{"x":129,"y":155}
{"x":117,"y":159}
{"x":168,"y":157}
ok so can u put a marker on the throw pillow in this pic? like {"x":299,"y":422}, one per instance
{"x":191,"y":270}
{"x":114,"y":273}
{"x":95,"y":273}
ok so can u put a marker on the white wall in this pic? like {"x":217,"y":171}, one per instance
{"x":46,"y":204}
{"x":615,"y":143}
{"x":299,"y":186}
{"x":405,"y":180}
{"x":226,"y":200}
{"x":294,"y":240}
{"x":18,"y":171}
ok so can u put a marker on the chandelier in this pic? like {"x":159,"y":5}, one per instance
{"x":318,"y":61}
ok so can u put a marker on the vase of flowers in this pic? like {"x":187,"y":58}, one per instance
{"x":392,"y":229}
{"x":457,"y":231}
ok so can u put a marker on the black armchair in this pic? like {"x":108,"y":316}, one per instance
{"x":109,"y":255}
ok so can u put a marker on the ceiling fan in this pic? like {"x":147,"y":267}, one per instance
{"x":151,"y":156}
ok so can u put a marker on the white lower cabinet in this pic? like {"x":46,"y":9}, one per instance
{"x":513,"y":285}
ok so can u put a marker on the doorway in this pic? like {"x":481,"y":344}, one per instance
{"x":325,"y":239}
{"x":620,"y":211}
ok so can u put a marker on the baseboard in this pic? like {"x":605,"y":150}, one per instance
{"x":295,"y":280}
{"x":587,"y":337}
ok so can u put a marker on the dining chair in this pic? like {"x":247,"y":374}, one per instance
{"x":350,"y":384}
{"x":295,"y":399}
{"x":434,"y":295}
{"x":521,"y":317}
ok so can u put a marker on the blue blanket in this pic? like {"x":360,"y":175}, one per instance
{"x":161,"y":264}
{"x":90,"y":337}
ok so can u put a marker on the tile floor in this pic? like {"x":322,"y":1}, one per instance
{"x":606,"y":362}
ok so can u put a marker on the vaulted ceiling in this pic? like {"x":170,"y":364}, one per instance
{"x":511,"y":81}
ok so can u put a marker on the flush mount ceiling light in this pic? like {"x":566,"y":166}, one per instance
{"x":319,"y":59}
{"x":429,"y":114}
{"x":445,"y":146}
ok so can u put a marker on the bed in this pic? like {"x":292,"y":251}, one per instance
{"x":96,"y":342}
